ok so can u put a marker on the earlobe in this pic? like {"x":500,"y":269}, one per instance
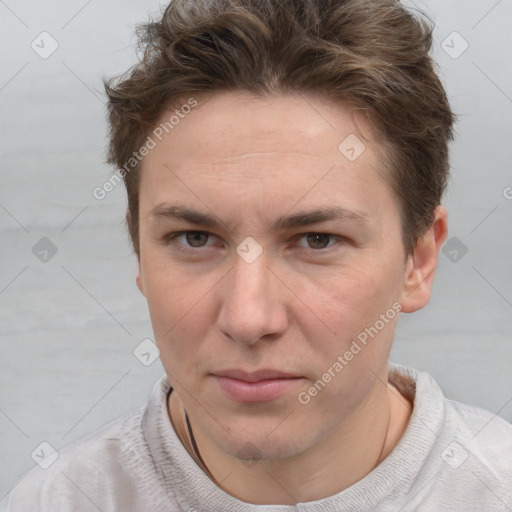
{"x":422,"y":264}
{"x":139,"y":280}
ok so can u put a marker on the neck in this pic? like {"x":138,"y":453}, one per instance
{"x":339,"y":461}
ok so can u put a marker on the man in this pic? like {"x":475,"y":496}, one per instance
{"x":285,"y":163}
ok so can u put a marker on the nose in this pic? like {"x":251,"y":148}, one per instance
{"x":253,"y":302}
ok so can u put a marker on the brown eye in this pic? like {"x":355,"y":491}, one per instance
{"x":318,"y":240}
{"x":190,"y":240}
{"x":320,"y":244}
{"x":196,"y":238}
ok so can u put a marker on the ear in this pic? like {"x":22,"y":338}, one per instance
{"x":421,"y":265}
{"x":138,"y":280}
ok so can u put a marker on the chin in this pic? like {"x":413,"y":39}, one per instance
{"x":256,"y":444}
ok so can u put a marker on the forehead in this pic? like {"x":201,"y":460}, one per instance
{"x":226,"y":124}
{"x":235,"y":131}
{"x":268,"y":155}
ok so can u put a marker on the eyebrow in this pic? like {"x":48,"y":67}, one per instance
{"x":303,"y":218}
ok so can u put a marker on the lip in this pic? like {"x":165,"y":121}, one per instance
{"x":257,"y":386}
{"x":254,"y":376}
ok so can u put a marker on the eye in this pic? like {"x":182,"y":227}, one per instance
{"x":318,"y":241}
{"x":192,"y":239}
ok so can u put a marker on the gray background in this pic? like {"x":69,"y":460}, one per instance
{"x":69,"y":325}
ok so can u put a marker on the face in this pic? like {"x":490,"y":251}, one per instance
{"x":240,"y":301}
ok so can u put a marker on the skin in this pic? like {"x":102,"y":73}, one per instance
{"x":296,"y":308}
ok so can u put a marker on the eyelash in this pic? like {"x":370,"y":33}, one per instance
{"x":170,"y":239}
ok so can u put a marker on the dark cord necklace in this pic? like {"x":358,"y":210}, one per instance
{"x":192,"y":439}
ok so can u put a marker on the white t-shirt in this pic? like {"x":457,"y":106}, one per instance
{"x":452,"y":457}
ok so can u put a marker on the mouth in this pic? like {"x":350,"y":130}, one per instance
{"x":258,"y":386}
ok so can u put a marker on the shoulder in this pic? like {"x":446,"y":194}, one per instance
{"x":474,"y":455}
{"x":111,"y":458}
{"x":485,"y":436}
{"x":467,"y":463}
{"x":474,"y":459}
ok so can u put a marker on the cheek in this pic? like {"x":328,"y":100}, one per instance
{"x":176,"y":300}
{"x":347,"y":296}
{"x":344,"y":367}
{"x":347,"y":302}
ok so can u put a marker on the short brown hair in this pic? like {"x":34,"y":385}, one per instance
{"x":373,"y":54}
